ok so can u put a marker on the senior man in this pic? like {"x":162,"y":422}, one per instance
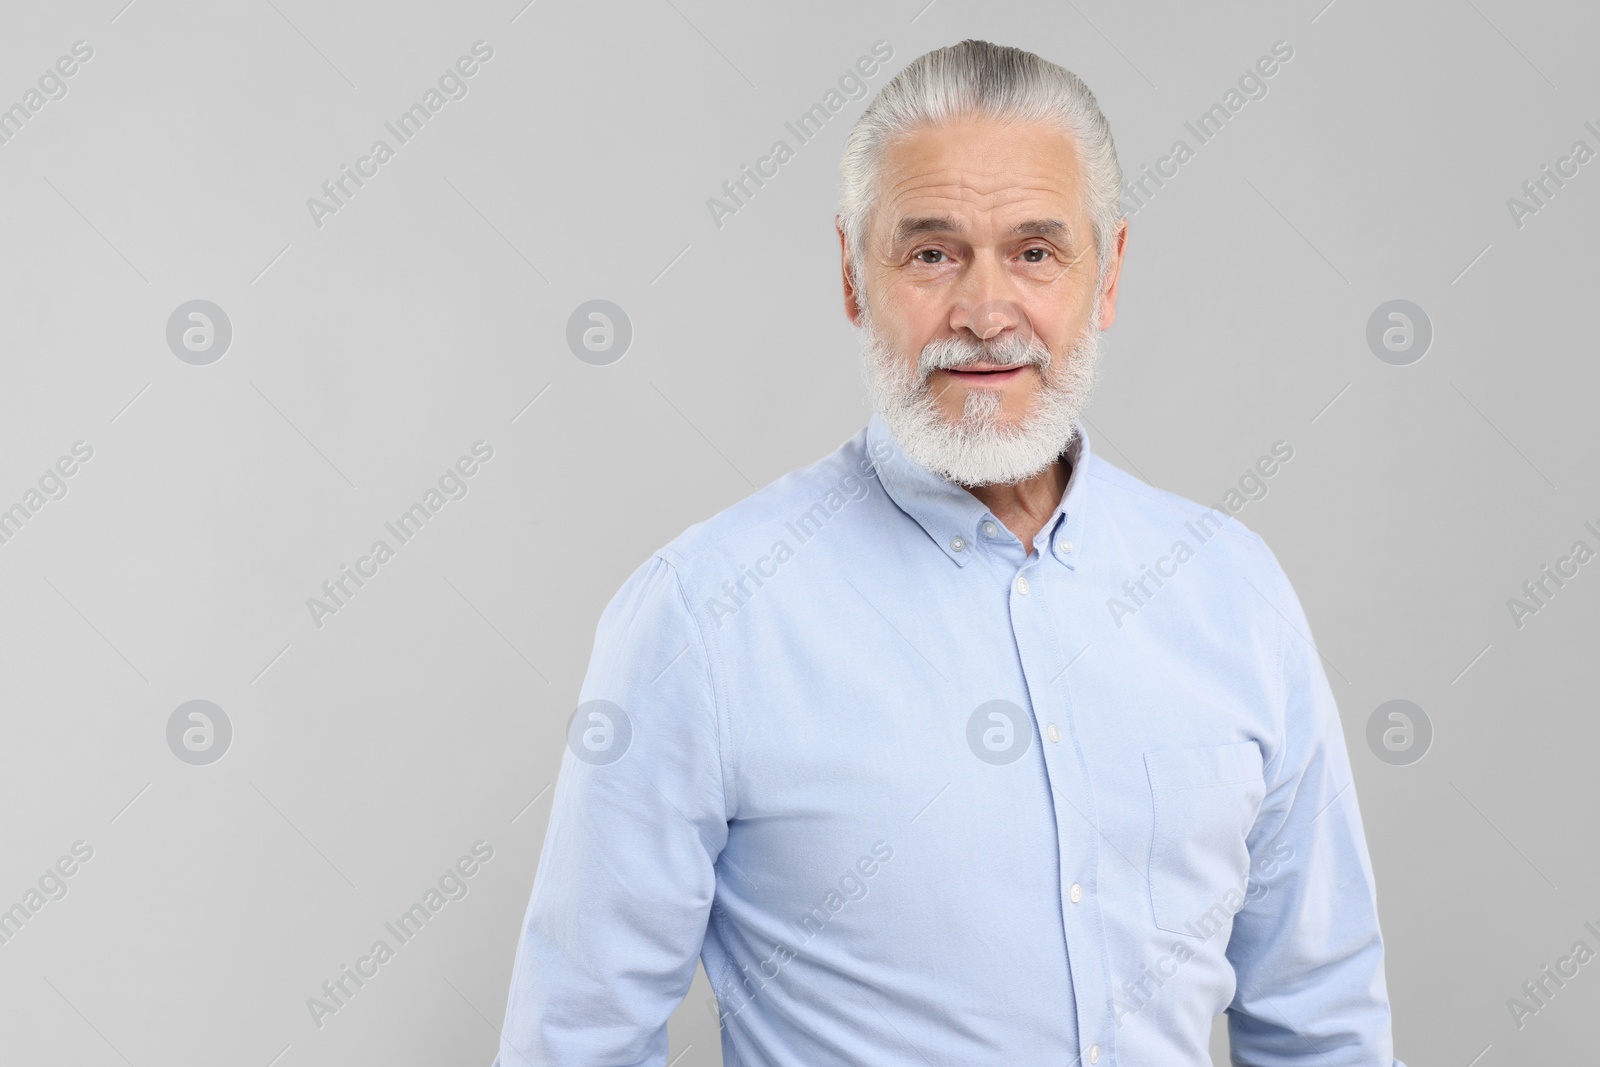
{"x":961,"y":745}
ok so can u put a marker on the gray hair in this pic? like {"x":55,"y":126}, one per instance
{"x":991,"y":81}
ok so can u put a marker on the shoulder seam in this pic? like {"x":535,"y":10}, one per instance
{"x":1148,"y":492}
{"x":711,"y":683}
{"x":683,"y":550}
{"x":1284,"y":591}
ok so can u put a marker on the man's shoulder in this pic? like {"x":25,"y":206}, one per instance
{"x":1141,"y":512}
{"x":834,"y":482}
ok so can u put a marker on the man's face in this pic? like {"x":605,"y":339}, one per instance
{"x":982,"y":298}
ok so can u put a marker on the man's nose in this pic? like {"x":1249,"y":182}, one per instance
{"x":992,"y":320}
{"x":983,"y":302}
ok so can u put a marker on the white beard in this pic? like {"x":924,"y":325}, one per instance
{"x":980,"y":448}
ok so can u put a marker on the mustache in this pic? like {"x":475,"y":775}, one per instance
{"x":954,"y":352}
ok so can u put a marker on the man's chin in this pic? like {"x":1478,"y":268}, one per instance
{"x":1007,"y":426}
{"x":979,"y":452}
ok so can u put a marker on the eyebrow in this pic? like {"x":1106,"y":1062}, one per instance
{"x":915,"y":226}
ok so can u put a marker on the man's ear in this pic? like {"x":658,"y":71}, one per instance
{"x":1107,"y":297}
{"x":852,"y":305}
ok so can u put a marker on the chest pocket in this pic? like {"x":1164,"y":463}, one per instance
{"x":1205,"y":800}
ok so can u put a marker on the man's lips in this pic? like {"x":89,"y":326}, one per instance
{"x":986,"y":373}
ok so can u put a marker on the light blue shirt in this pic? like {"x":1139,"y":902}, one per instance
{"x":917,"y":797}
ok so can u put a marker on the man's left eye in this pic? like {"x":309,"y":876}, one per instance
{"x":1039,"y":254}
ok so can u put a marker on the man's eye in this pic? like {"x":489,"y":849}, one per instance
{"x":929,"y":252}
{"x":1039,"y":255}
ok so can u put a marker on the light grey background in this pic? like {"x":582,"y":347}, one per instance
{"x":430,"y":312}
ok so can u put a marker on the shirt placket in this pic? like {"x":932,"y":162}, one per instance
{"x":1041,"y":651}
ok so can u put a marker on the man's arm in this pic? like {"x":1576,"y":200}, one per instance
{"x":625,"y":879}
{"x":1306,"y":946}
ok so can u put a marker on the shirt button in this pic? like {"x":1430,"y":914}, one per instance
{"x":1022,"y":585}
{"x":990,"y":529}
{"x":1052,"y":733}
{"x":1094,"y":1053}
{"x":1076,"y":893}
{"x":1064,"y":547}
{"x":958,"y":543}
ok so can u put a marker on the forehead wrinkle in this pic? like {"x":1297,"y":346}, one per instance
{"x":922,"y":186}
{"x":961,"y":190}
{"x":930,"y":204}
{"x":967,"y":188}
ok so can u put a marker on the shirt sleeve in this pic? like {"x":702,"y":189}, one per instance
{"x":625,"y":878}
{"x":1306,"y":947}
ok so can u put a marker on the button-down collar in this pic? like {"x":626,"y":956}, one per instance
{"x":956,"y":520}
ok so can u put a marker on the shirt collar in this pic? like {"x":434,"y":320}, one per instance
{"x":954,"y":518}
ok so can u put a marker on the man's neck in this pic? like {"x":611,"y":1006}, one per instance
{"x":1024,"y":506}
